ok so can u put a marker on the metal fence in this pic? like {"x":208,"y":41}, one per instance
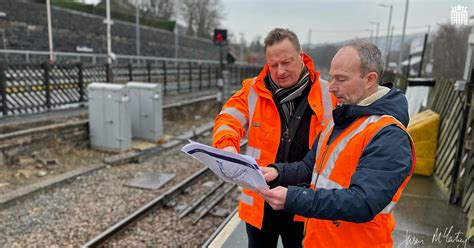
{"x":33,"y":88}
{"x":454,"y":169}
{"x":30,"y":56}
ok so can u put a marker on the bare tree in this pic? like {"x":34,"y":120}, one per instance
{"x":202,"y":16}
{"x":161,"y":9}
{"x":450,"y":46}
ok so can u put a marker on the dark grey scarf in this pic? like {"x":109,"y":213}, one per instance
{"x":286,"y":96}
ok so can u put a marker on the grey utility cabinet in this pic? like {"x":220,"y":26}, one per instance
{"x":109,"y":117}
{"x":146,"y":110}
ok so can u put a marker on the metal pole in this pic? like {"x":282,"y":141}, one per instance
{"x":309,"y":38}
{"x":388,"y":30}
{"x":242,"y":40}
{"x":408,"y":67}
{"x":389,"y":48}
{"x":376,"y":32}
{"x":137,"y":17}
{"x":422,"y":55}
{"x":176,"y":37}
{"x":50,"y":32}
{"x":109,"y":40}
{"x":389,"y":25}
{"x":402,"y":43}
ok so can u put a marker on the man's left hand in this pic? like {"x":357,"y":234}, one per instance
{"x":275,"y":197}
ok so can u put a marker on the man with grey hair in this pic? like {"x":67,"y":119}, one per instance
{"x":359,"y":164}
{"x":281,"y":110}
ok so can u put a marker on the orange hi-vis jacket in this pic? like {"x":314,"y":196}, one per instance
{"x":334,"y":165}
{"x":252,"y":111}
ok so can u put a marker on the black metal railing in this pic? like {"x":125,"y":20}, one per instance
{"x":33,"y":88}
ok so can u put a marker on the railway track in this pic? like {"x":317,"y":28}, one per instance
{"x":189,"y":209}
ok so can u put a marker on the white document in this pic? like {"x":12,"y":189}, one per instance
{"x":234,"y":168}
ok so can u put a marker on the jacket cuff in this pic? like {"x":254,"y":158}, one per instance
{"x":227,"y":141}
{"x":280,"y":180}
{"x":275,"y":182}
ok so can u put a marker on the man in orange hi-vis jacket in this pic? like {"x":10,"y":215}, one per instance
{"x":281,"y":110}
{"x":359,"y":164}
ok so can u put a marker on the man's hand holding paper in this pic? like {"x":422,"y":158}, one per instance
{"x":230,"y":167}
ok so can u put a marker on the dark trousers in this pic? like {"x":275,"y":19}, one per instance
{"x":276,"y":223}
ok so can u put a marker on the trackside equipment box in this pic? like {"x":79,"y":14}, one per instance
{"x":109,"y":117}
{"x":146,"y":110}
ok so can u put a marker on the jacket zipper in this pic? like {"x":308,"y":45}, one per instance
{"x":287,"y":143}
{"x":316,"y":182}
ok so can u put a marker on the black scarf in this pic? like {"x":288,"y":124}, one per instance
{"x":286,"y":96}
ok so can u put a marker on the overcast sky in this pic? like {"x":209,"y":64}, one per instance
{"x":333,"y":20}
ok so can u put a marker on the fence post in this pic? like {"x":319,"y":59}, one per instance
{"x":46,"y":67}
{"x":148,"y":69}
{"x":80,"y":75}
{"x":165,"y":77}
{"x":178,"y":76}
{"x":190,"y":65}
{"x":3,"y":89}
{"x":109,"y":76}
{"x":209,"y":76}
{"x":130,"y":72}
{"x":200,"y":76}
{"x":217,"y":74}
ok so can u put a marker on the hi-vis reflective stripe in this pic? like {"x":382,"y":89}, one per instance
{"x":224,"y":127}
{"x":252,"y":100}
{"x":247,"y":199}
{"x":237,"y":115}
{"x":253,"y":152}
{"x":327,"y":100}
{"x":326,"y":183}
{"x":388,"y":209}
{"x":342,"y":144}
{"x":322,"y":137}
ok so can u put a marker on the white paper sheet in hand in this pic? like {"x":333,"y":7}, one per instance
{"x":235,"y":168}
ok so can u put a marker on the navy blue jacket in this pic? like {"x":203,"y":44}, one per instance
{"x":384,"y":165}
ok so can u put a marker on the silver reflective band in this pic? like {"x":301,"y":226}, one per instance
{"x":225,"y":127}
{"x":322,"y":137}
{"x":327,"y":100}
{"x":331,"y":162}
{"x":253,"y":152}
{"x":246,"y":199}
{"x":237,"y":115}
{"x":388,"y":209}
{"x":251,"y":100}
{"x":326,"y":183}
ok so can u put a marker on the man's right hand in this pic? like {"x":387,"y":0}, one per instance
{"x":269,"y":173}
{"x":230,"y":149}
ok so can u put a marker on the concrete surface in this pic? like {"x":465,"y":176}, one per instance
{"x":424,"y":219}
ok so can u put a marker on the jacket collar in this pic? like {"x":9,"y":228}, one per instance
{"x":259,"y":85}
